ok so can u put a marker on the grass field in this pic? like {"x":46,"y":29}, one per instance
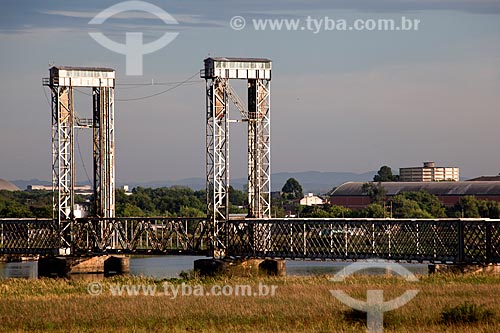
{"x":300,"y":304}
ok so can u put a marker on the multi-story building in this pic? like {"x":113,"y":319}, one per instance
{"x":429,"y":173}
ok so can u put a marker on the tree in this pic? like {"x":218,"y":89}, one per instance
{"x":376,"y":192}
{"x":403,"y":207}
{"x":191,"y":212}
{"x":419,"y":204}
{"x":313,"y":211}
{"x":374,"y":210}
{"x":469,"y":206}
{"x":237,"y":197}
{"x":292,"y":189}
{"x":384,"y":174}
{"x":130,"y":210}
{"x":339,"y":211}
{"x":17,"y":204}
{"x":427,"y":202}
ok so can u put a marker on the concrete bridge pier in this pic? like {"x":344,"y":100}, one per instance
{"x":240,"y":267}
{"x":69,"y":266}
{"x":464,"y":268}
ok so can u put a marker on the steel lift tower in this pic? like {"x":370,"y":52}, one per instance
{"x":217,"y":73}
{"x":62,"y":81}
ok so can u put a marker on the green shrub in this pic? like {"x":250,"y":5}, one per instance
{"x":466,"y":313}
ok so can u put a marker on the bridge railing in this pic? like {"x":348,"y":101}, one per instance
{"x":97,"y":235}
{"x":128,"y":234}
{"x":445,"y":241}
{"x":28,"y":236}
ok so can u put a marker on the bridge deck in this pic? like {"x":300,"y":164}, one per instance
{"x":439,"y":241}
{"x":422,"y":240}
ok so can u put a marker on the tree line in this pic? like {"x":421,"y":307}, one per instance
{"x":419,"y":204}
{"x":185,"y":202}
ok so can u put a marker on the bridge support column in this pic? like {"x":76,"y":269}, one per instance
{"x":71,"y":267}
{"x":259,"y":149}
{"x":104,"y":151}
{"x":63,"y":164}
{"x":464,"y":268}
{"x":240,"y":267}
{"x":218,"y":72}
{"x":65,"y":121}
{"x":217,"y":162}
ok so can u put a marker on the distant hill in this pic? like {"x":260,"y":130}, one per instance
{"x":318,"y":182}
{"x":23,"y":183}
{"x":311,"y":181}
{"x":5,"y":185}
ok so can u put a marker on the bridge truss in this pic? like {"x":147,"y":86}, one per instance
{"x":420,"y":240}
{"x":433,"y":241}
{"x":105,"y":235}
{"x":218,"y":73}
{"x":65,"y":120}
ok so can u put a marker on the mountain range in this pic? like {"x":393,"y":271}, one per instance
{"x":311,"y":181}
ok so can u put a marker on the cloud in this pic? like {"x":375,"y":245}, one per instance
{"x":195,"y":14}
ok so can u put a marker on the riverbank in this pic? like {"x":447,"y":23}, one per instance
{"x":299,"y":304}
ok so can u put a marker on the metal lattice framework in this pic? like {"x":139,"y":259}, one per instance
{"x":62,"y":81}
{"x":437,"y":241}
{"x":103,"y":151}
{"x":259,"y":149}
{"x":63,"y":152}
{"x":457,"y":241}
{"x":218,"y":72}
{"x":93,"y":235}
{"x":217,"y":157}
{"x":29,"y":236}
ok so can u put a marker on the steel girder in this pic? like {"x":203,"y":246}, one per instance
{"x":64,"y":123}
{"x":105,"y":235}
{"x":259,"y":149}
{"x":218,"y":95}
{"x":217,"y":160}
{"x":63,"y":164}
{"x":104,"y":151}
{"x":439,"y":241}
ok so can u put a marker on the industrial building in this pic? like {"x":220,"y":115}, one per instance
{"x":429,"y":173}
{"x":79,"y":189}
{"x":311,"y":200}
{"x":351,"y":194}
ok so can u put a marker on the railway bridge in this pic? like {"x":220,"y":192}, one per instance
{"x":457,"y":241}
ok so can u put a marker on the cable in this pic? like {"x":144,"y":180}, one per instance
{"x":175,"y":85}
{"x":127,"y":86}
{"x":76,"y":138}
{"x":156,"y":83}
{"x":46,"y":97}
{"x":159,"y":93}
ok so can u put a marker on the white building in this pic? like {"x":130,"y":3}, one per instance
{"x":429,"y":173}
{"x":80,"y":211}
{"x":311,"y":200}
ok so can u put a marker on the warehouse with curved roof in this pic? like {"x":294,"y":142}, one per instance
{"x":351,"y":194}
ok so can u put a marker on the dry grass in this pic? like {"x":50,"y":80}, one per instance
{"x":300,"y":305}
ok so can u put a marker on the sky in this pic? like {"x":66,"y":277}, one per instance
{"x":340,"y":100}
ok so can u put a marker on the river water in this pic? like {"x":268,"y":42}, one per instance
{"x":172,"y":266}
